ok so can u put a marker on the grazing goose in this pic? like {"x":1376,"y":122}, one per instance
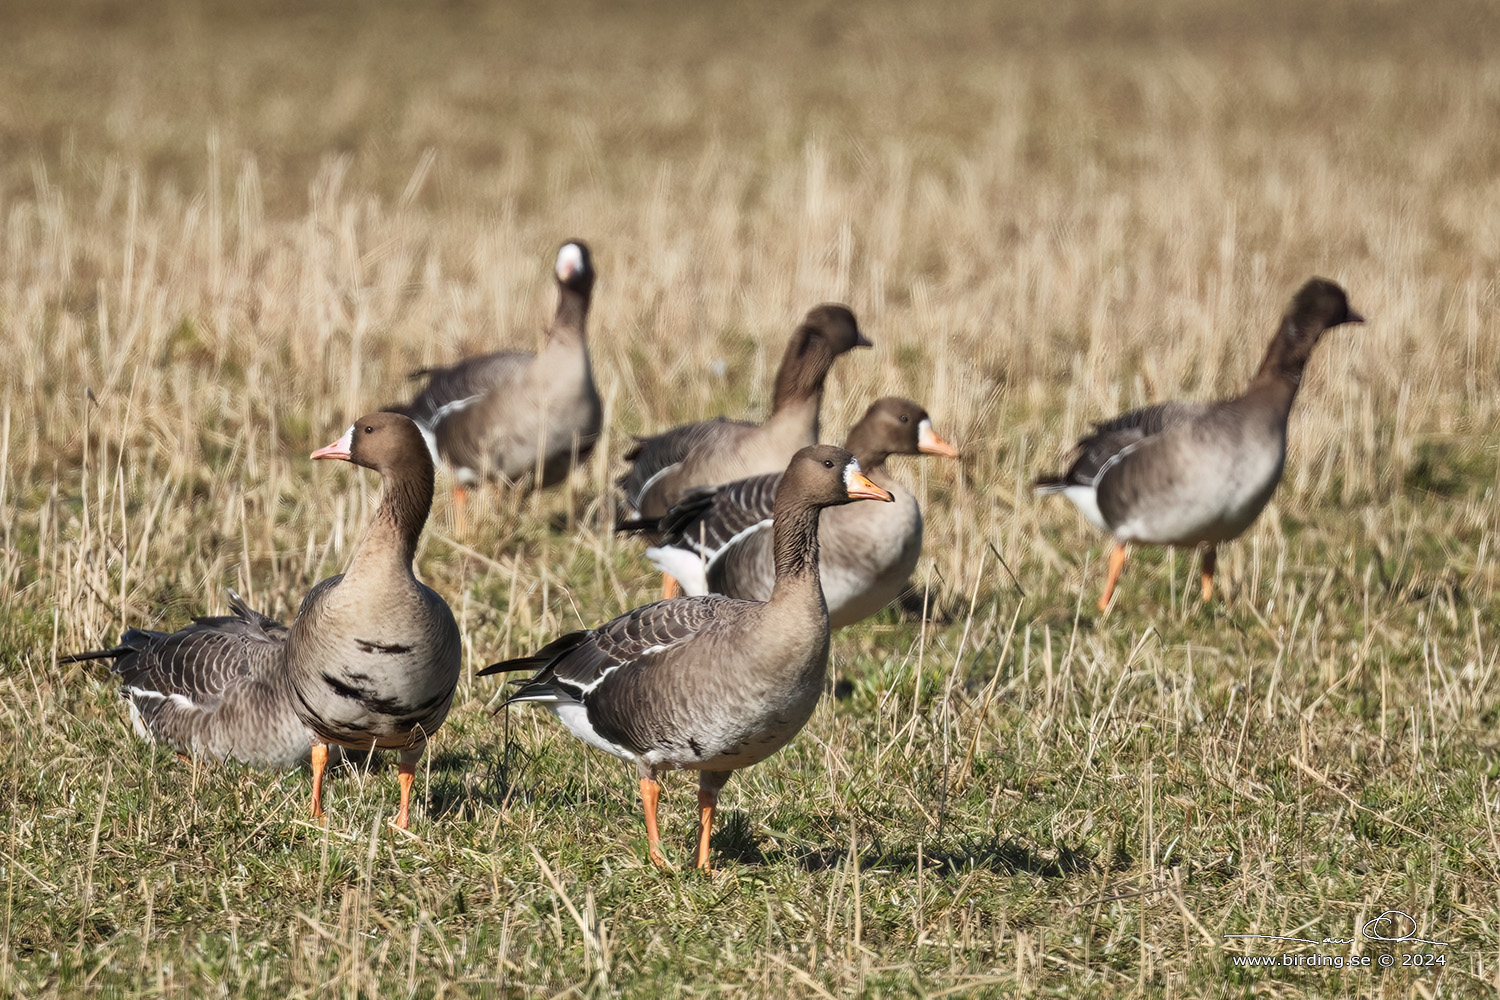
{"x":1197,"y":474}
{"x":373,"y":656}
{"x":718,"y":451}
{"x":710,"y":684}
{"x":216,"y":689}
{"x":718,"y":539}
{"x":499,"y":416}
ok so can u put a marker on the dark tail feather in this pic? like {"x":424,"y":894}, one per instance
{"x":1047,"y":485}
{"x":539,"y":659}
{"x":97,"y":654}
{"x":637,"y":525}
{"x":692,"y":505}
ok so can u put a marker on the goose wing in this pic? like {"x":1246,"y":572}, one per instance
{"x":452,"y":390}
{"x":1111,"y":439}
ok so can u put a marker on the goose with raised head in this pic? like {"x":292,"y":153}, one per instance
{"x":506,"y":415}
{"x":373,"y":656}
{"x":718,"y":539}
{"x":711,"y":452}
{"x":710,"y":684}
{"x":216,"y":689}
{"x":1193,"y":475}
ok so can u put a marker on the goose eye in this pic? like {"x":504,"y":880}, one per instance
{"x":905,"y":419}
{"x":369,"y":429}
{"x":827,"y":463}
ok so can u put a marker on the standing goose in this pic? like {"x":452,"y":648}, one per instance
{"x":718,"y":451}
{"x":710,"y":684}
{"x":719,"y":539}
{"x":1197,"y":474}
{"x":500,"y":416}
{"x":216,"y":689}
{"x":373,"y":656}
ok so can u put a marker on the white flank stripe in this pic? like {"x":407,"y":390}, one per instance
{"x":1087,"y":502}
{"x":576,"y":718}
{"x":688,"y":568}
{"x":646,"y":486}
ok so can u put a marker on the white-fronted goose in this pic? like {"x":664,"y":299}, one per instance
{"x":216,"y":689}
{"x":499,"y":416}
{"x":1197,"y":474}
{"x":719,"y":538}
{"x":373,"y":656}
{"x":712,"y":452}
{"x":710,"y":684}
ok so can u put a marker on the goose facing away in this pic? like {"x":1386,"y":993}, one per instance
{"x":501,"y":416}
{"x":711,"y":684}
{"x":373,"y":657}
{"x":719,"y":539}
{"x":216,"y":689}
{"x":712,"y":452}
{"x":1197,"y":474}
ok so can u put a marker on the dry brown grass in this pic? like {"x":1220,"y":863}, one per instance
{"x":226,"y":233}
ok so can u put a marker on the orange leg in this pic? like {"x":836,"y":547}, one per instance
{"x":406,"y":774}
{"x":460,"y":503}
{"x":670,"y":588}
{"x":650,"y":792}
{"x":1116,"y":567}
{"x":1210,"y":560}
{"x":319,"y":762}
{"x":708,"y":798}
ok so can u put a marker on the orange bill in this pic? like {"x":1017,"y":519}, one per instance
{"x":928,"y":442}
{"x":861,"y":488}
{"x":339,"y":448}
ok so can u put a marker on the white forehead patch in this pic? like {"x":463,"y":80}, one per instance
{"x":850,"y":471}
{"x":569,"y":261}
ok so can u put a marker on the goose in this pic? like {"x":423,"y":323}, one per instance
{"x":718,"y":539}
{"x":501,"y":416}
{"x":1193,"y":475}
{"x":215,"y":690}
{"x":718,"y":451}
{"x":373,"y":657}
{"x":710,"y":684}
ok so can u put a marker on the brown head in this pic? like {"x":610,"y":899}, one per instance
{"x":828,"y":331}
{"x":1319,"y":306}
{"x":824,"y":475}
{"x":895,"y":426}
{"x":575,"y":267}
{"x":574,"y":272}
{"x":820,"y":475}
{"x":390,"y":444}
{"x":386,"y":442}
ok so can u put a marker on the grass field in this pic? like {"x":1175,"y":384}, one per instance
{"x":225,"y":233}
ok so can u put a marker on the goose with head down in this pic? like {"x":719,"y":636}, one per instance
{"x":709,"y":684}
{"x":1194,"y":475}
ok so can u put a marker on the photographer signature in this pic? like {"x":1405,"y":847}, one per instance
{"x":1392,"y":925}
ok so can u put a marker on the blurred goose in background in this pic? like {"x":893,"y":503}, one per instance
{"x":373,"y":656}
{"x":1197,"y":474}
{"x":718,"y":539}
{"x":710,"y":684}
{"x":504,"y":415}
{"x":216,"y":689}
{"x":712,"y":452}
